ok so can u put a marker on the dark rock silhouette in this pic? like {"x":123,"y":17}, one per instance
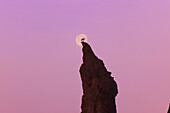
{"x":99,"y":88}
{"x":169,"y":109}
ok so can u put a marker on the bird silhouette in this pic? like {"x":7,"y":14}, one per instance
{"x":82,"y":40}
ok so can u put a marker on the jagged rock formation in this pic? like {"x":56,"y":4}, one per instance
{"x":99,"y":88}
{"x":169,"y":109}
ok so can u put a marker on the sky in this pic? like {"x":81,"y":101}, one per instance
{"x":40,"y":61}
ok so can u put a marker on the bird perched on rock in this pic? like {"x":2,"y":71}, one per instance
{"x":82,"y":40}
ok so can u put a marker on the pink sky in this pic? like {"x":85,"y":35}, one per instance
{"x":39,"y":59}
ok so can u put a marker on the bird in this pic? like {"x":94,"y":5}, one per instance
{"x":82,"y":40}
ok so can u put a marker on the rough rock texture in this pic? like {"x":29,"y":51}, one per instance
{"x":169,"y":109}
{"x":99,"y":88}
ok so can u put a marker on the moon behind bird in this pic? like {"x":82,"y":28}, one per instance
{"x":81,"y":38}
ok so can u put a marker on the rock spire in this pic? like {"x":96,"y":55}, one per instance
{"x":99,"y":88}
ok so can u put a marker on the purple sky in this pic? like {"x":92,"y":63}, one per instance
{"x":39,"y":59}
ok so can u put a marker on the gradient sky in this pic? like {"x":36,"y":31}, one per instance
{"x":39,"y":59}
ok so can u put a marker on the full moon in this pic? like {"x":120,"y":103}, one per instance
{"x":81,"y":38}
